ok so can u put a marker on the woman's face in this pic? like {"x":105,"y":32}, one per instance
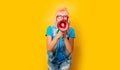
{"x":62,"y":16}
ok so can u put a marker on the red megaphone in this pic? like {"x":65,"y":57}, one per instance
{"x":62,"y":25}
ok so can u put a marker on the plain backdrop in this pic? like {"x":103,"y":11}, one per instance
{"x":23,"y":25}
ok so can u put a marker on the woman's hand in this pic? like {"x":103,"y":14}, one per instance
{"x":59,"y":34}
{"x":64,"y":34}
{"x":51,"y":43}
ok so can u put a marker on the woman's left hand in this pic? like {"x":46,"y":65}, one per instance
{"x":64,"y":34}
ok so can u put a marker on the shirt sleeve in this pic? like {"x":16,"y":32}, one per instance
{"x":49,"y":31}
{"x":72,"y":33}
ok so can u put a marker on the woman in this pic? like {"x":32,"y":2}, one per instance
{"x":59,"y":43}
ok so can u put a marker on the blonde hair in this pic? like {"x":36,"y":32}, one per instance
{"x":64,"y":9}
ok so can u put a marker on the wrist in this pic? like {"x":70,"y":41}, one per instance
{"x":57,"y":37}
{"x":65,"y":36}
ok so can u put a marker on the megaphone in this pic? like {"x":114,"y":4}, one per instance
{"x":62,"y":25}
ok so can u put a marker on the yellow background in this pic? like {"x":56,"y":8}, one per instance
{"x":23,"y":24}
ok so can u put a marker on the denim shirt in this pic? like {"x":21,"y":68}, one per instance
{"x":59,"y":53}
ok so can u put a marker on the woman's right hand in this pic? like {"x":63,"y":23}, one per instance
{"x":59,"y":34}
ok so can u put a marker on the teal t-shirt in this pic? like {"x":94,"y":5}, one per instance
{"x":60,"y":55}
{"x":49,"y":32}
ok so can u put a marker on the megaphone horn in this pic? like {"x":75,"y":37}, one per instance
{"x":62,"y":25}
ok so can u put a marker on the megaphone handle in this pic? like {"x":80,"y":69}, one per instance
{"x":57,"y":31}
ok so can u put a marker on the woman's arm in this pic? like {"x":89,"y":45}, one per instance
{"x":68,"y":43}
{"x":51,"y":43}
